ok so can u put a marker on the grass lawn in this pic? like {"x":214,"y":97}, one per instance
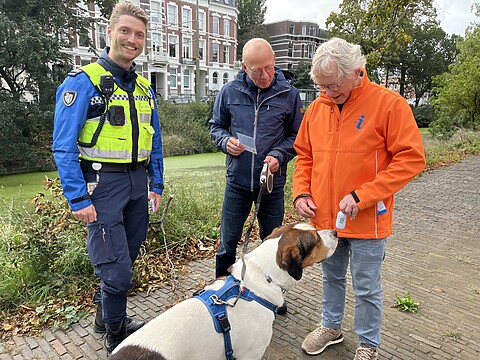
{"x":424,"y":131}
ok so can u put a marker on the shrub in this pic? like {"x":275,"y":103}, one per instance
{"x":424,"y":115}
{"x":42,"y":252}
{"x":185,"y":128}
{"x":43,"y":257}
{"x":26,"y":137}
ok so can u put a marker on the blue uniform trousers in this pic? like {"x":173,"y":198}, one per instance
{"x":114,"y":240}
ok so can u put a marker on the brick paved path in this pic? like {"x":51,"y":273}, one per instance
{"x":434,"y":256}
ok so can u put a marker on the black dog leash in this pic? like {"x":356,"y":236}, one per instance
{"x":266,"y":185}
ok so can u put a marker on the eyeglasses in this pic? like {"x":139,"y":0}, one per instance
{"x":332,"y":87}
{"x":258,"y":72}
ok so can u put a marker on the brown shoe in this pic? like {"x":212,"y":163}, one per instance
{"x":365,"y":352}
{"x":318,"y":340}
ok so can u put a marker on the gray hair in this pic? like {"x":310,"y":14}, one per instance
{"x":336,"y":56}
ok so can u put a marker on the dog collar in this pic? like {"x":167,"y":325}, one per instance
{"x":270,"y":281}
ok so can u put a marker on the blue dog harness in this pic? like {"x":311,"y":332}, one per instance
{"x":216,"y":303}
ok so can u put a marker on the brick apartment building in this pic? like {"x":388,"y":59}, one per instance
{"x":294,"y":41}
{"x":169,"y":57}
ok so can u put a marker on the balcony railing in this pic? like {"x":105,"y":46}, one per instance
{"x":188,"y":61}
{"x":158,"y":57}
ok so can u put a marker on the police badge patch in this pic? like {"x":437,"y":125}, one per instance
{"x":69,"y":97}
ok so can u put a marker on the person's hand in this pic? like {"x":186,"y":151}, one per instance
{"x":157,"y":199}
{"x":88,"y":214}
{"x":234,"y":147}
{"x":349,"y":206}
{"x":273,"y":163}
{"x":306,"y":207}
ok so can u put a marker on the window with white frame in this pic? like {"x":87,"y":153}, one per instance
{"x":216,"y":25}
{"x":201,"y":21}
{"x":173,"y":78}
{"x":304,"y":29}
{"x":201,"y":49}
{"x":63,"y":37}
{"x":226,"y":54}
{"x":215,"y":51}
{"x":156,"y":45}
{"x":186,"y":79}
{"x":225,"y":78}
{"x":215,"y":78}
{"x":172,"y":15}
{"x":102,"y":39}
{"x":292,"y":29}
{"x":311,"y":30}
{"x":226,"y":27}
{"x":187,"y":18}
{"x":83,"y":41}
{"x":172,"y":46}
{"x":187,"y":43}
{"x":155,"y":12}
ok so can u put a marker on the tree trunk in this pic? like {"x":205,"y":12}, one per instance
{"x":403,"y":72}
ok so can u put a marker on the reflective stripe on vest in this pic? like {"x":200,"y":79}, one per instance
{"x":116,"y":143}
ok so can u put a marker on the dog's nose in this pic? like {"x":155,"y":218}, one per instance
{"x":334,"y":232}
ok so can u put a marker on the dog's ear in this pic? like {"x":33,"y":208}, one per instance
{"x":276,"y":232}
{"x":291,"y":261}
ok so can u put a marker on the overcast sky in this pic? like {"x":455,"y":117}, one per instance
{"x":454,"y":15}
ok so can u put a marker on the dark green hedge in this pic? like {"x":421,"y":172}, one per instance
{"x":26,"y":134}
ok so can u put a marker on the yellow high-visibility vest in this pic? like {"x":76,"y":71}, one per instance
{"x":117,"y":144}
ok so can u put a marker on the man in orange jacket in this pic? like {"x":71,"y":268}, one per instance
{"x":357,"y":146}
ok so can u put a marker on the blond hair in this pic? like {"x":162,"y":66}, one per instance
{"x":124,"y":8}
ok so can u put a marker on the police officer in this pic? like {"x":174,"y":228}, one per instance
{"x":107,"y":146}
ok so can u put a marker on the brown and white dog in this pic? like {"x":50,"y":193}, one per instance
{"x":186,"y":330}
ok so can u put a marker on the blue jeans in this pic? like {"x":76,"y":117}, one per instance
{"x":237,"y":204}
{"x":365,"y":257}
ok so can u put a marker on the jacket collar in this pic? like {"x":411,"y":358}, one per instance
{"x":124,"y":76}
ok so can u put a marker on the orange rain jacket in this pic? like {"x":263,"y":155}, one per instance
{"x":372,"y":147}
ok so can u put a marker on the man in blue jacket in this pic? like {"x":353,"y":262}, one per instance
{"x":107,"y":146}
{"x":262,"y":108}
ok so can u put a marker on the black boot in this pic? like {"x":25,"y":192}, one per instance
{"x":99,"y":325}
{"x":116,"y":333}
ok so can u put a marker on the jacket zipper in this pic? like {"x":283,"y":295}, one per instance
{"x":255,"y":121}
{"x":336,"y":141}
{"x":135,"y":129}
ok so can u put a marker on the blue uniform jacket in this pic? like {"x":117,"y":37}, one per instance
{"x":68,"y":123}
{"x":271,"y":116}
